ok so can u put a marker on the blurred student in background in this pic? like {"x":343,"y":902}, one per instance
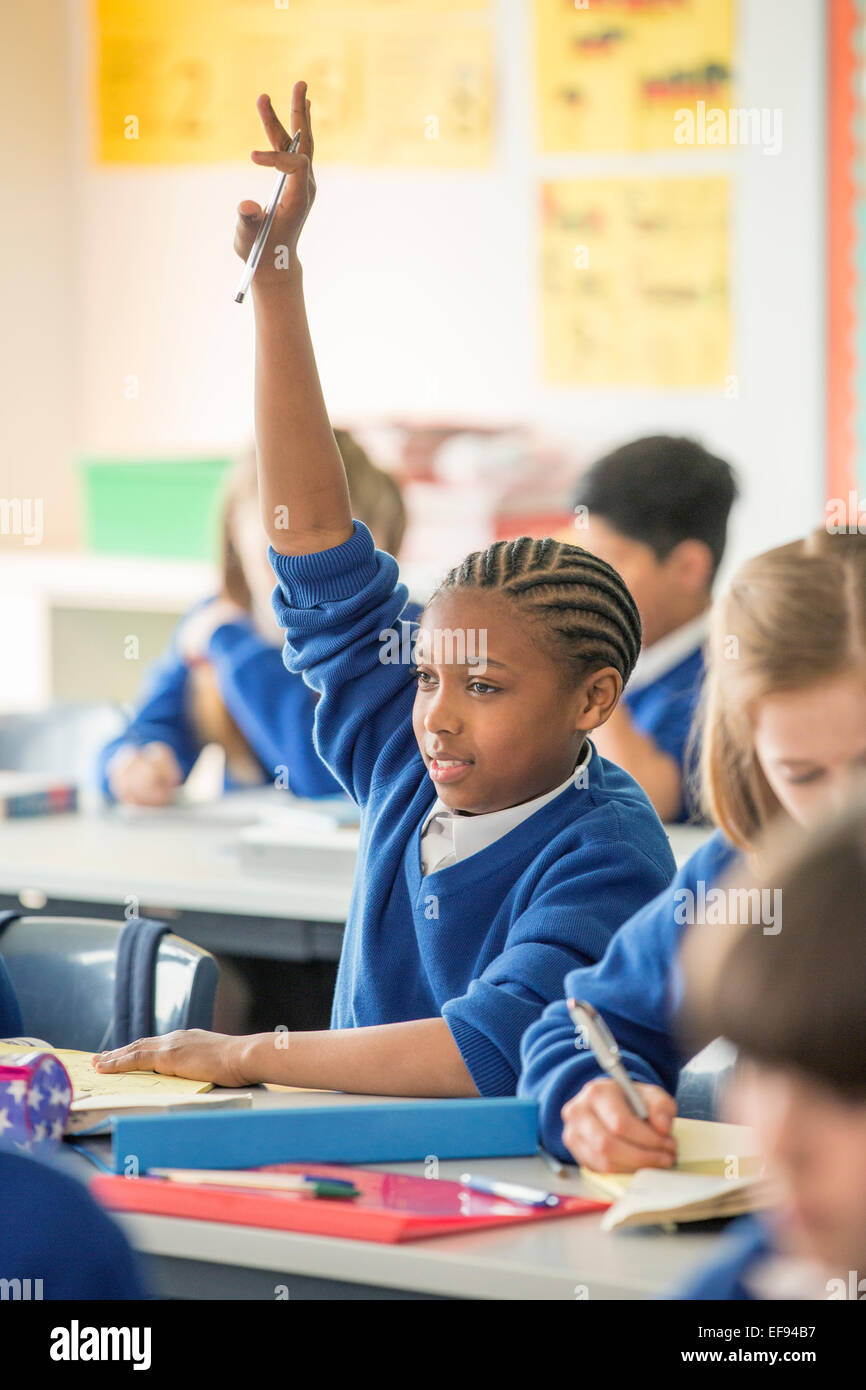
{"x":794,"y":1003}
{"x":222,"y":680}
{"x":657,"y":510}
{"x":783,"y":739}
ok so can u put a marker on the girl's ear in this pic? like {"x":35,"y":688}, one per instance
{"x":599,"y":698}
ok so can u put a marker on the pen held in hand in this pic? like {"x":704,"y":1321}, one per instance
{"x":590,"y":1025}
{"x":258,"y":245}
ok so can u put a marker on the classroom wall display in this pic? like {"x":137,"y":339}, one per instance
{"x":392,"y":82}
{"x":846,"y":269}
{"x":619,"y":75}
{"x":634,"y":282}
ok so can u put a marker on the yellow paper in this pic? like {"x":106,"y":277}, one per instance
{"x":88,"y":1082}
{"x":634,"y":282}
{"x":704,"y":1147}
{"x":392,"y":82}
{"x":613,"y":76}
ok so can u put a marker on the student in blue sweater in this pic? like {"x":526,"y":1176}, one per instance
{"x":47,"y":1216}
{"x":784,"y":731}
{"x":55,"y":1242}
{"x":657,"y":510}
{"x":223,"y":680}
{"x":795,"y":1005}
{"x":498,"y":850}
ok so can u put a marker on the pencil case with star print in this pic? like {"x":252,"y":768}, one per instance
{"x":35,"y":1096}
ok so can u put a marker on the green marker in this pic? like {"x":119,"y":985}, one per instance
{"x":307,"y":1185}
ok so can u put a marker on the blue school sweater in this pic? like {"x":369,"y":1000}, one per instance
{"x":53,"y":1231}
{"x":272,"y":708}
{"x":635,"y":987}
{"x":664,"y":710}
{"x":745,"y":1245}
{"x":487,"y":941}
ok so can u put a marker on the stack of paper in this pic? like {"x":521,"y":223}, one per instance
{"x":718,"y":1173}
{"x":96,"y":1096}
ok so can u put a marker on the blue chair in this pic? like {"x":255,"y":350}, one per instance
{"x":704,"y":1078}
{"x":64,"y":972}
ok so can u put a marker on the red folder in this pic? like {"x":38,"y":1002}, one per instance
{"x":392,"y":1206}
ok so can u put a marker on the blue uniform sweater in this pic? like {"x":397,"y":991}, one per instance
{"x":273,"y":709}
{"x":746,"y":1244}
{"x":664,"y":710}
{"x":486,"y":942}
{"x":635,"y":987}
{"x":53,"y":1231}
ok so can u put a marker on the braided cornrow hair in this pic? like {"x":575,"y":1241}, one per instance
{"x":579,"y":600}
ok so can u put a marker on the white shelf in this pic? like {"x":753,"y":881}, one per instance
{"x":33,"y":583}
{"x":76,"y":579}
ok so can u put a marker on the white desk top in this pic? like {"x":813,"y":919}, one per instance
{"x":188,"y":859}
{"x":545,"y":1260}
{"x":173,"y":861}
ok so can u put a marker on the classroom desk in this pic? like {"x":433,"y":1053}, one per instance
{"x":185,"y":864}
{"x":184,"y":867}
{"x":571,"y":1258}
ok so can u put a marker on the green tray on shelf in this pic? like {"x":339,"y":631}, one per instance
{"x":162,"y":507}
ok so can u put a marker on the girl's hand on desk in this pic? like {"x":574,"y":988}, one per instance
{"x":193,"y":1053}
{"x":144,"y":776}
{"x":298,"y":194}
{"x":602,"y":1131}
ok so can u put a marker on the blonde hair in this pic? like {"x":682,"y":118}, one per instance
{"x":375,"y":496}
{"x":792,"y":616}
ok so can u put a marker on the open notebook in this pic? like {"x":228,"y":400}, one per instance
{"x":97,"y":1095}
{"x":718,"y":1173}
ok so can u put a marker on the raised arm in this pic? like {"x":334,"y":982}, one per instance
{"x":302,"y":483}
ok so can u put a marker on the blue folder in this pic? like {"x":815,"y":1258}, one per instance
{"x":377,"y":1133}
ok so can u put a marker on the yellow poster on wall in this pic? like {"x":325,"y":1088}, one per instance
{"x":634,"y":282}
{"x":392,"y":82}
{"x":618,"y":74}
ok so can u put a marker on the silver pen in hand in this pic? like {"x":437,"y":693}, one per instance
{"x":258,"y":245}
{"x":590,"y":1025}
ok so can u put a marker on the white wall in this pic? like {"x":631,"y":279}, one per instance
{"x":421,"y":287}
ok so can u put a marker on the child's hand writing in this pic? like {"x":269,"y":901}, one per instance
{"x":193,"y":1053}
{"x":602,"y":1131}
{"x":144,"y":776}
{"x":297,"y":197}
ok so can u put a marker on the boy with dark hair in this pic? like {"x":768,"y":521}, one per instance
{"x":657,"y":510}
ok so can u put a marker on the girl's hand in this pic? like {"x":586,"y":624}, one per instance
{"x":196,"y":630}
{"x":194,"y":1053}
{"x":602,"y":1131}
{"x":147,"y":775}
{"x":298,"y":194}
